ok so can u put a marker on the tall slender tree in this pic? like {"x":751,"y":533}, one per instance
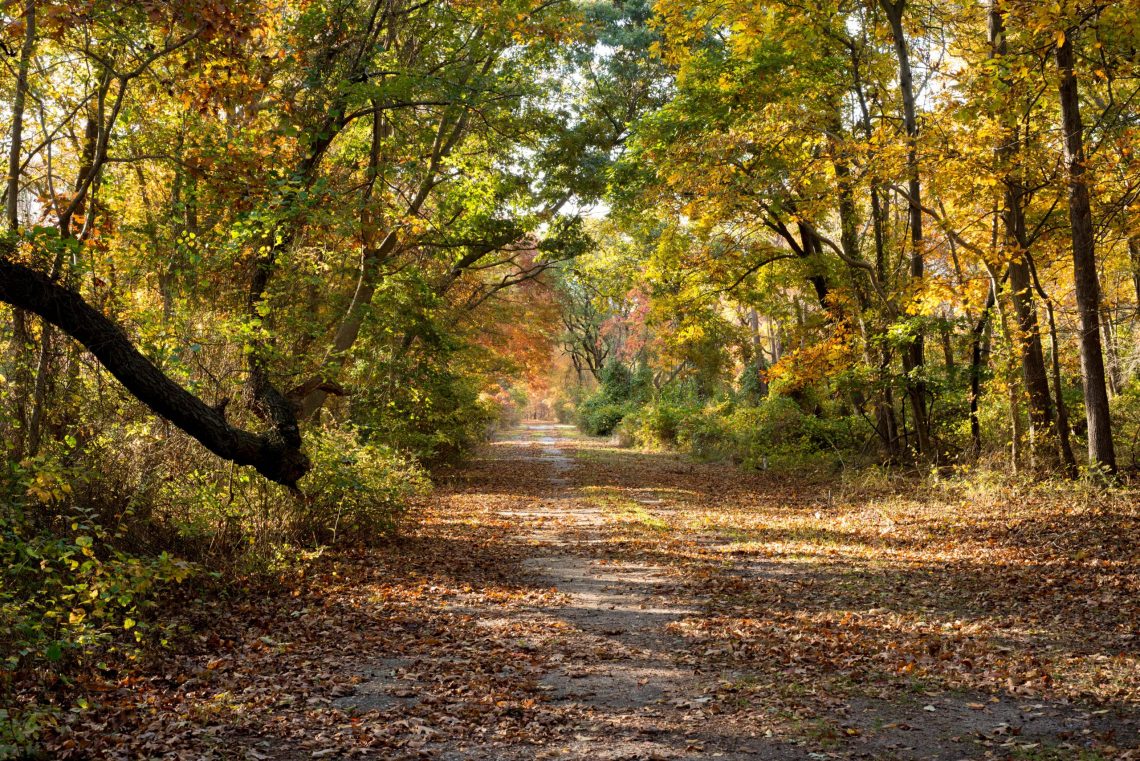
{"x":1102,"y":452}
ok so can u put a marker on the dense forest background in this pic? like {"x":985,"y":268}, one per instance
{"x":268,"y":265}
{"x":901,"y":230}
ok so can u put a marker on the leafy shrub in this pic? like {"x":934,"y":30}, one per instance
{"x":705,"y":434}
{"x":778,"y":433}
{"x":772,"y":428}
{"x":424,"y":408}
{"x":69,"y":598}
{"x":616,"y":381}
{"x":357,"y":491}
{"x":659,"y":423}
{"x":750,"y":387}
{"x":563,"y":410}
{"x":1126,"y":419}
{"x":599,"y":416}
{"x":621,"y":393}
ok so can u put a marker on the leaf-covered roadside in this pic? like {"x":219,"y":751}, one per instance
{"x":270,"y":666}
{"x":822,"y":590}
{"x":877,"y":619}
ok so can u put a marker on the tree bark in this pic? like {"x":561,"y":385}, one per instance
{"x":276,"y":455}
{"x":1112,"y":357}
{"x":1015,"y":427}
{"x":1134,"y":256}
{"x":1028,"y":336}
{"x":17,"y":135}
{"x":1101,"y":451}
{"x":977,"y":352}
{"x":757,"y":342}
{"x":1063,"y":429}
{"x":913,"y":357}
{"x":21,"y":337}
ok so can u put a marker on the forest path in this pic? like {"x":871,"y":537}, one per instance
{"x":561,"y":598}
{"x":623,"y":670}
{"x":631,"y":667}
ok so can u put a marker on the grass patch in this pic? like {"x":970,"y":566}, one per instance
{"x":627,"y":511}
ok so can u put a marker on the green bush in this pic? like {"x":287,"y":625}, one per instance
{"x":599,"y":416}
{"x":563,"y":410}
{"x":659,"y":423}
{"x":773,"y":428}
{"x":424,"y":405}
{"x":357,"y":491}
{"x":622,"y":393}
{"x":705,"y":434}
{"x":1126,"y":422}
{"x":69,"y":598}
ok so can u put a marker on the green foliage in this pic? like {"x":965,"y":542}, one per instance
{"x":1126,"y":419}
{"x":425,"y":408}
{"x":618,"y":382}
{"x":750,"y":387}
{"x":599,"y":415}
{"x":774,"y":432}
{"x":660,"y":422}
{"x":70,"y":599}
{"x":622,"y":392}
{"x":771,"y":430}
{"x":358,"y":490}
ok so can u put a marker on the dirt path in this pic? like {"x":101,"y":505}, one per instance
{"x":625,"y":678}
{"x":623,"y":672}
{"x":562,"y":599}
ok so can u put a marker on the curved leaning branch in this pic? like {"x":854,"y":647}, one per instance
{"x":276,"y":455}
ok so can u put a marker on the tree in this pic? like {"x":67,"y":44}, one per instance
{"x":1101,"y":450}
{"x":275,"y":143}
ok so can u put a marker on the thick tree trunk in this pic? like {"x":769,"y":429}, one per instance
{"x":813,"y":254}
{"x":1101,"y":451}
{"x":1029,"y":347}
{"x":276,"y":455}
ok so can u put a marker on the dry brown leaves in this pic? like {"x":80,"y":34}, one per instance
{"x":810,"y":596}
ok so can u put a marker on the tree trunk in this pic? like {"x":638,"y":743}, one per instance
{"x":90,"y":164}
{"x":17,"y":135}
{"x":947,"y":347}
{"x":1016,"y":430}
{"x":913,"y":357}
{"x":761,"y":367}
{"x":977,"y":352}
{"x":21,"y":337}
{"x":276,"y":455}
{"x":1112,"y":357}
{"x":1101,"y":451}
{"x":887,"y":422}
{"x":1063,"y":429}
{"x":813,"y":253}
{"x":1134,"y":255}
{"x":1028,"y":336}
